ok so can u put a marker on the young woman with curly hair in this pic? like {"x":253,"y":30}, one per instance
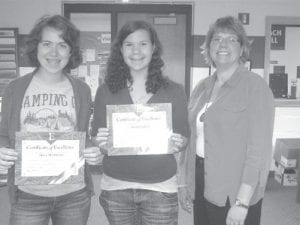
{"x":139,"y":187}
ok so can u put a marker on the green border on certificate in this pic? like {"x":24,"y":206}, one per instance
{"x":139,"y":129}
{"x":47,"y":158}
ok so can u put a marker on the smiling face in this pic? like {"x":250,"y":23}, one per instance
{"x":225,"y":49}
{"x":53,"y":52}
{"x":137,"y":51}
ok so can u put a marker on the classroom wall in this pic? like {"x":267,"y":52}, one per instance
{"x":24,"y":13}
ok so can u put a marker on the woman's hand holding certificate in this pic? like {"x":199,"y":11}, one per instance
{"x":101,"y":139}
{"x":178,"y":142}
{"x":8,"y":157}
{"x":92,"y":155}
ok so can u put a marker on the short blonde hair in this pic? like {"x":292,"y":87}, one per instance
{"x":232,"y":25}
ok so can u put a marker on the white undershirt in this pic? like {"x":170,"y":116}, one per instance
{"x":200,"y":133}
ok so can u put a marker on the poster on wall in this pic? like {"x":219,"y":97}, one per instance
{"x":95,"y":47}
{"x":277,"y":37}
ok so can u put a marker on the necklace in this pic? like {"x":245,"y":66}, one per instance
{"x":201,"y":119}
{"x":213,"y":96}
{"x":139,"y":99}
{"x":207,"y":104}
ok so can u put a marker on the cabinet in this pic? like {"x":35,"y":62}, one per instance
{"x":282,"y":53}
{"x":8,"y":56}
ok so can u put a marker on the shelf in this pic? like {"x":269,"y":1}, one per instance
{"x":284,"y":102}
{"x":8,"y":56}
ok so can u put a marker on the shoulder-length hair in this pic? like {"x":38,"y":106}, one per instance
{"x":118,"y":74}
{"x":70,"y":34}
{"x":227,"y":24}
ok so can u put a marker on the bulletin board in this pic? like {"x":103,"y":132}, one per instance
{"x":95,"y":48}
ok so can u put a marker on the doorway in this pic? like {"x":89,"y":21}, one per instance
{"x":99,"y":24}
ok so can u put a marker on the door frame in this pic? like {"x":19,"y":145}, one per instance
{"x":155,"y":8}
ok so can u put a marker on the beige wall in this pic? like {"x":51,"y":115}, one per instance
{"x":23,"y":13}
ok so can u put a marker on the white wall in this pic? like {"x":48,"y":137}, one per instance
{"x":24,"y":13}
{"x":208,"y":11}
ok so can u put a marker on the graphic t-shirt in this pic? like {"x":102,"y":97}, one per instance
{"x":48,"y":108}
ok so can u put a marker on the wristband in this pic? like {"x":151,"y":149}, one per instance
{"x":240,"y":204}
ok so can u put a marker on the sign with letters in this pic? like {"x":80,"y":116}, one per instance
{"x":277,"y":37}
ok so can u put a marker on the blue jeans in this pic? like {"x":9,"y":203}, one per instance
{"x":136,"y":206}
{"x":70,"y":209}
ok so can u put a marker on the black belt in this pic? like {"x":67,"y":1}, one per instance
{"x":199,"y":160}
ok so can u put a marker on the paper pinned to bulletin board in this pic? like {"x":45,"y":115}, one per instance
{"x":95,"y":47}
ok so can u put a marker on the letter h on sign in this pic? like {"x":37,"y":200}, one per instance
{"x":277,"y":37}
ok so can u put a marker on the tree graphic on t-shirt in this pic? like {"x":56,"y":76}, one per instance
{"x":47,"y":119}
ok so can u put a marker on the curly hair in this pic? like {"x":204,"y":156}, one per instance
{"x":118,"y":73}
{"x":70,"y":34}
{"x":227,"y":24}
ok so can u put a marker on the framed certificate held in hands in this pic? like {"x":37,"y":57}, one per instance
{"x":139,"y":129}
{"x":49,"y":158}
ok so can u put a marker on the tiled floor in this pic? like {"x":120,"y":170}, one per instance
{"x":279,"y":207}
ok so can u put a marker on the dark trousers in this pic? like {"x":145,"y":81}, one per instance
{"x":206,"y":213}
{"x":217,"y":215}
{"x":200,"y":214}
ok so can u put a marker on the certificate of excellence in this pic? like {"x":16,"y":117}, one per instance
{"x":49,"y":158}
{"x":139,"y":129}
